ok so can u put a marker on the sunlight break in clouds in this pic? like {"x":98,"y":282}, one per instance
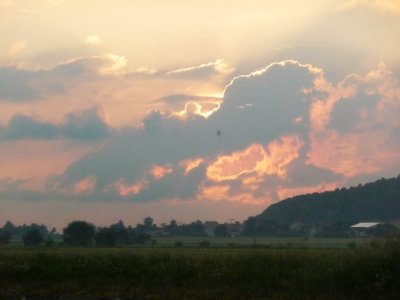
{"x":16,"y":48}
{"x":93,"y":40}
{"x":196,"y":109}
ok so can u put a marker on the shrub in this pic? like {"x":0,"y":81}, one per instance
{"x":5,"y":237}
{"x":79,"y":233}
{"x":204,"y":243}
{"x":33,"y":238}
{"x":178,"y":244}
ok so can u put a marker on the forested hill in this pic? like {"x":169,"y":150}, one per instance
{"x":377,"y":201}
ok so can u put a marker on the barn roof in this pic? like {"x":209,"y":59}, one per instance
{"x":365,"y":225}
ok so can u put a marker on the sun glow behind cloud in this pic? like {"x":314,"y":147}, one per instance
{"x":196,"y":109}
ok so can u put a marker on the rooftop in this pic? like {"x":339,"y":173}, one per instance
{"x":365,"y":225}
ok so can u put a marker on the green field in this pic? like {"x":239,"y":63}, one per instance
{"x":241,"y":242}
{"x":200,"y":273}
{"x":262,"y":242}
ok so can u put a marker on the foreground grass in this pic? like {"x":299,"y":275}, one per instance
{"x":191,"y":273}
{"x":262,"y":242}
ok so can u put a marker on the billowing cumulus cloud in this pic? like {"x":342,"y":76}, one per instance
{"x":278,"y":131}
{"x":357,"y":122}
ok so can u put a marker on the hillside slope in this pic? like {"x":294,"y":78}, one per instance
{"x":379,"y":200}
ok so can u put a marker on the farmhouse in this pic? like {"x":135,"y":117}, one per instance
{"x":373,"y":229}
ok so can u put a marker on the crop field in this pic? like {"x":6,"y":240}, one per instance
{"x":200,"y":273}
{"x":261,"y":242}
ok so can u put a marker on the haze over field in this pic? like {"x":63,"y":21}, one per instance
{"x":192,"y":110}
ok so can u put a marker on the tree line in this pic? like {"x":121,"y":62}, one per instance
{"x":83,"y":233}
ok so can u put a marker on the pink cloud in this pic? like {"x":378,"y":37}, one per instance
{"x":191,"y":164}
{"x":159,"y":172}
{"x":271,"y":160}
{"x":125,"y":189}
{"x":372,"y":102}
{"x":85,"y":185}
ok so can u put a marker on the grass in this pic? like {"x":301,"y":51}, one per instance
{"x":266,"y":242}
{"x":200,"y":273}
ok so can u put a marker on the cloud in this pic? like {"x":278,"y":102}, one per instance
{"x":17,"y":85}
{"x":361,"y":114}
{"x":25,"y":85}
{"x":21,"y":127}
{"x":84,"y":125}
{"x":205,"y":70}
{"x":257,"y":160}
{"x":278,"y":130}
{"x":260,"y":108}
{"x":184,"y":98}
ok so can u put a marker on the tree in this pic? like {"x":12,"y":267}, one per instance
{"x":221,"y":230}
{"x":9,"y":227}
{"x":5,"y":237}
{"x":33,"y":237}
{"x":123,"y":233}
{"x":267,"y":227}
{"x":147,"y":226}
{"x":79,"y":233}
{"x":148,"y":222}
{"x":107,"y":237}
{"x":250,"y":226}
{"x":192,"y":229}
{"x":172,"y":227}
{"x":140,"y":237}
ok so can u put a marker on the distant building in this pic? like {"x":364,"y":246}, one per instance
{"x":235,"y":228}
{"x":373,"y":229}
{"x":209,"y":227}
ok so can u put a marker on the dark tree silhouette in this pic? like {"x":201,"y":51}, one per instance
{"x":221,"y":230}
{"x":5,"y":237}
{"x":33,"y":237}
{"x":79,"y":233}
{"x":379,"y":200}
{"x":148,"y":222}
{"x":250,"y":226}
{"x":106,"y":237}
{"x":140,"y":238}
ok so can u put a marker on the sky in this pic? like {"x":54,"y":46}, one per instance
{"x":187,"y":110}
